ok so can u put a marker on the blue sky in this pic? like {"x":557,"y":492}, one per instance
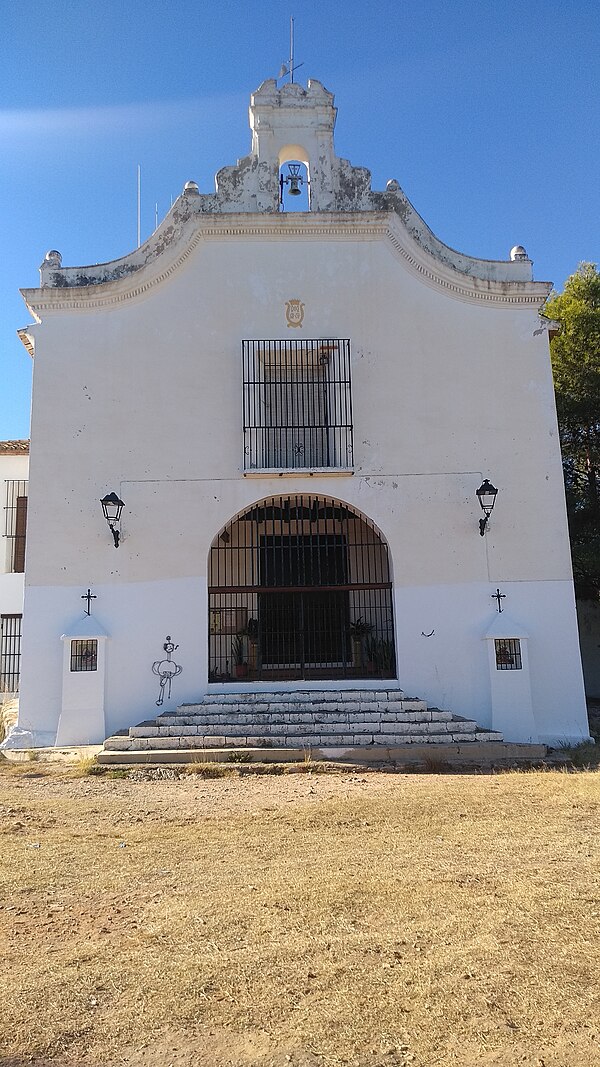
{"x":487,"y":114}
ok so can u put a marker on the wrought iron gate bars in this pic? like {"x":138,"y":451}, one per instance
{"x":299,"y":586}
{"x":296,"y":588}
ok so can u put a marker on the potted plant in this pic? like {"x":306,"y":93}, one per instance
{"x":237,"y":652}
{"x":384,"y":660}
{"x":371,"y":654}
{"x":359,"y":629}
{"x":252,"y":633}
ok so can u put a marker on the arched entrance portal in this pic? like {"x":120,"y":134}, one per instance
{"x":299,"y":587}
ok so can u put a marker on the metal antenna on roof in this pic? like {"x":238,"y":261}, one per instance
{"x":289,"y":68}
{"x":139,"y":204}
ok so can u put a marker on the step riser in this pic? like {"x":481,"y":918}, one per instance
{"x":306,"y":707}
{"x":283,"y":710}
{"x":300,"y":729}
{"x":304,"y":696}
{"x":233,"y":718}
{"x":138,"y":744}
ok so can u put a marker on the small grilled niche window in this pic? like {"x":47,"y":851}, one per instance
{"x":508,"y":654}
{"x":84,"y":655}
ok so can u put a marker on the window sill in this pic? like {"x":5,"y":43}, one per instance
{"x":299,"y":472}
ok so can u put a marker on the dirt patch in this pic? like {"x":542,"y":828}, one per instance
{"x":373,"y":920}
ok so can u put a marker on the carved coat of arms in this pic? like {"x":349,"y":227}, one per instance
{"x":294,"y":312}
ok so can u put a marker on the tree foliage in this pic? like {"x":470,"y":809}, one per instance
{"x":576,"y":366}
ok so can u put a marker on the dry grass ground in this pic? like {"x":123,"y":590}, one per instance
{"x":370,"y":919}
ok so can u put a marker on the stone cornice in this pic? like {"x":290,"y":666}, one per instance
{"x":461,"y":286}
{"x":352,"y":226}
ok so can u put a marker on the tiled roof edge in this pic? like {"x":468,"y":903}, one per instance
{"x":14,"y":448}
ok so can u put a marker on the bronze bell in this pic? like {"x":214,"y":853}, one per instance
{"x":294,"y":179}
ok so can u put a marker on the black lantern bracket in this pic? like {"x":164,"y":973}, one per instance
{"x":486,"y":495}
{"x":112,"y":506}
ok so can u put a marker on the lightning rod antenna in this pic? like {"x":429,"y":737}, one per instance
{"x":139,"y":204}
{"x":288,"y":67}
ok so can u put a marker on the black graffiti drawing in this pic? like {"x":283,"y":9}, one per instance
{"x":166,"y":670}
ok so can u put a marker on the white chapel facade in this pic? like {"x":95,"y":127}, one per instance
{"x":296,"y":410}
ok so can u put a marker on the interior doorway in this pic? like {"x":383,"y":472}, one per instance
{"x":304,"y":620}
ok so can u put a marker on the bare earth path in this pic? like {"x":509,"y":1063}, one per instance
{"x":364,"y":919}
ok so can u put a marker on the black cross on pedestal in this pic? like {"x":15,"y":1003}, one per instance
{"x":89,"y":596}
{"x":499,"y":596}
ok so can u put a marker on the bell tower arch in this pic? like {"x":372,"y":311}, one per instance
{"x":294,"y":123}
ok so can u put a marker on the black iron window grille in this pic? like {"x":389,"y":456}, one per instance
{"x":84,"y":655}
{"x":10,"y":653}
{"x":297,"y":404}
{"x":15,"y":522}
{"x":299,"y":587}
{"x":508,"y":654}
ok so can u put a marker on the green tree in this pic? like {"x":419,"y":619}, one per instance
{"x":576,"y":365}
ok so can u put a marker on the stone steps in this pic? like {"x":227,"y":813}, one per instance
{"x":302,"y":720}
{"x":370,"y":720}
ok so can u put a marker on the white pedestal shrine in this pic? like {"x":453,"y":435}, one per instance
{"x":512,"y":708}
{"x":81,"y":719}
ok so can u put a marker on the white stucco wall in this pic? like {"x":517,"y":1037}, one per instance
{"x":144,"y":397}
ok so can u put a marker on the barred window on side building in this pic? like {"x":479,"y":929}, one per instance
{"x":15,"y":523}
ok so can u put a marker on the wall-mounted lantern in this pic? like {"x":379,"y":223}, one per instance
{"x":112,"y":507}
{"x":486,"y":495}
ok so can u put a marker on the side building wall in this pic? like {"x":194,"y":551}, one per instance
{"x":14,"y":473}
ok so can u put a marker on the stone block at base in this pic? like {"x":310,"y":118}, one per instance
{"x":484,"y":754}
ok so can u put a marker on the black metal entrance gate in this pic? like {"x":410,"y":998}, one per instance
{"x":299,"y":587}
